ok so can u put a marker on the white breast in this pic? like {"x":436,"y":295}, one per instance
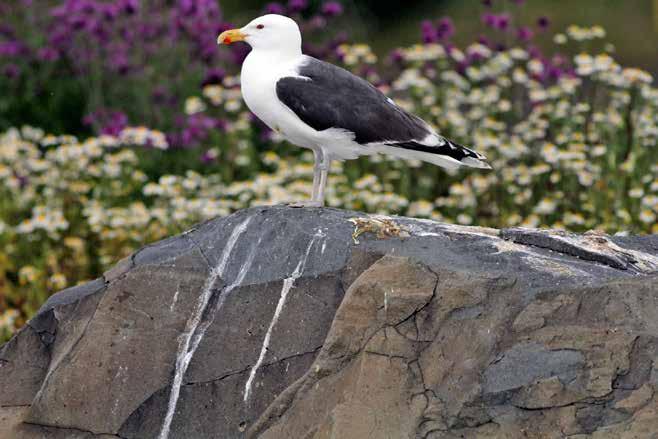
{"x":258,"y":81}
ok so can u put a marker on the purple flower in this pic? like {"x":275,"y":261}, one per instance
{"x":554,"y":72}
{"x":297,"y":5}
{"x":500,"y":21}
{"x":445,"y":28}
{"x":266,"y":132}
{"x":503,"y":21}
{"x":187,"y":7}
{"x":78,"y":22}
{"x":489,"y":19}
{"x":317,"y":22}
{"x":208,"y":50}
{"x":487,"y":3}
{"x":130,"y":6}
{"x":482,"y":39}
{"x":48,"y":54}
{"x":496,"y":21}
{"x":6,"y":30}
{"x":118,"y":121}
{"x":275,"y":8}
{"x":86,"y":7}
{"x":11,"y":71}
{"x":429,"y":32}
{"x":118,"y":62}
{"x":221,"y":27}
{"x":208,"y":157}
{"x":110,"y":11}
{"x":11,"y":48}
{"x":397,"y":56}
{"x":559,"y":60}
{"x":159,"y":94}
{"x":340,"y":38}
{"x":213,"y":76}
{"x":107,"y":121}
{"x":524,"y":33}
{"x":222,"y":125}
{"x":332,"y":9}
{"x":197,"y":129}
{"x":59,"y":11}
{"x":534,"y":52}
{"x":23,"y":180}
{"x":146,"y":31}
{"x":128,"y":39}
{"x":461,"y":67}
{"x":543,"y":22}
{"x":475,"y":57}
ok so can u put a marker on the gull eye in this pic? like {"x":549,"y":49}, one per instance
{"x":260,"y":26}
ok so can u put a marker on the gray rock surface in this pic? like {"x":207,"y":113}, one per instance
{"x":317,"y":323}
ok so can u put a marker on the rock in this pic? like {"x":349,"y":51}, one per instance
{"x":361,"y":381}
{"x":316,"y":323}
{"x":637,"y":399}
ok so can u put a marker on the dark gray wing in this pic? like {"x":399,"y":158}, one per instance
{"x":332,"y":97}
{"x":335,"y":98}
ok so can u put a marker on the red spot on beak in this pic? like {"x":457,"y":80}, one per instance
{"x":227,"y":40}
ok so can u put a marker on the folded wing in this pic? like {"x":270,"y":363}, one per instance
{"x":325,"y":96}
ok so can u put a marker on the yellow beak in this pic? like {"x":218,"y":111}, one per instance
{"x":231,"y":36}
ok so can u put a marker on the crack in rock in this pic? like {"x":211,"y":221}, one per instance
{"x":593,"y":247}
{"x":68,"y":428}
{"x":249,"y":367}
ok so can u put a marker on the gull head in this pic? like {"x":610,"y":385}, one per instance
{"x":269,"y":32}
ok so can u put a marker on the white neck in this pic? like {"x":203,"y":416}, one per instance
{"x":276,"y":55}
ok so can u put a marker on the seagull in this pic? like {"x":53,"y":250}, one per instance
{"x":323,"y":107}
